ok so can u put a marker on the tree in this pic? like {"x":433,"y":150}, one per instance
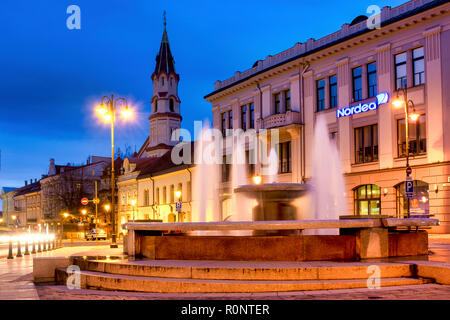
{"x":127,"y":154}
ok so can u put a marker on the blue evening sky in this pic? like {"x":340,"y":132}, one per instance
{"x":51,"y":77}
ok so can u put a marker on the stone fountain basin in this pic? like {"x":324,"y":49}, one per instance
{"x":284,"y":192}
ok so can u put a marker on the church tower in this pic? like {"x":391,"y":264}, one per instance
{"x":165,"y":105}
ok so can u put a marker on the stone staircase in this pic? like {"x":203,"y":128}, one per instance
{"x":170,"y":276}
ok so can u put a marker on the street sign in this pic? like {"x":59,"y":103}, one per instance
{"x":178,"y":206}
{"x":409,"y":187}
{"x":84,"y":201}
{"x":408,"y":171}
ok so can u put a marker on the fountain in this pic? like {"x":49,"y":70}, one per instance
{"x":274,"y":203}
{"x":272,"y":221}
{"x":280,"y":201}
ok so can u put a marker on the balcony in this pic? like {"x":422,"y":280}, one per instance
{"x":281,"y":119}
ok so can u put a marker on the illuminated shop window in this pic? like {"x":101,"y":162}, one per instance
{"x":419,"y":203}
{"x":367,"y":200}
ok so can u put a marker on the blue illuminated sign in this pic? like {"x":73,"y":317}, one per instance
{"x":381,"y":98}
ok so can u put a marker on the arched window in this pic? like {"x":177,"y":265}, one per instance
{"x":367,"y":199}
{"x":171,"y":81}
{"x":180,"y":188}
{"x":157,"y":196}
{"x":156,"y":106}
{"x":146,"y":197}
{"x":171,"y":105}
{"x":417,"y":205}
{"x":162,"y":81}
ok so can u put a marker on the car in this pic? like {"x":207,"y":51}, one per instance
{"x":93,"y":234}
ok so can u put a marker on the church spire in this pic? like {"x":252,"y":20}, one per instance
{"x":164,"y":59}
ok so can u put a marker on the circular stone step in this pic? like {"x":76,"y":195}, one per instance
{"x":235,"y":270}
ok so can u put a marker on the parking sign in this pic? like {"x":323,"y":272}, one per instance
{"x":409,"y":188}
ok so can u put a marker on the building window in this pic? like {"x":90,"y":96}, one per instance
{"x":164,"y":196}
{"x":418,"y":66}
{"x":277,"y":103}
{"x":172,"y":193}
{"x":146,"y":197}
{"x":417,"y":205}
{"x":284,"y":157}
{"x":180,"y":188}
{"x":252,"y":115}
{"x":171,"y":105}
{"x":157,"y":195}
{"x":400,"y":71}
{"x":226,"y":169}
{"x":287,"y":100}
{"x":333,"y":91}
{"x":250,"y":159}
{"x":171,"y":81}
{"x":357,"y":83}
{"x":367,"y":200}
{"x":372,"y":79}
{"x":320,"y":88}
{"x":366,"y":144}
{"x":244,"y":117}
{"x":230,"y":119}
{"x":416,"y":136}
{"x":162,"y":81}
{"x":156,"y":105}
{"x":224,"y":123}
{"x":189,"y":190}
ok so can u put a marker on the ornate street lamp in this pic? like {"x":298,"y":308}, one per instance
{"x":107,"y":110}
{"x":398,"y":103}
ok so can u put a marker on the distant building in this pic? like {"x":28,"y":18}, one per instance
{"x":27,"y":206}
{"x":7,"y":196}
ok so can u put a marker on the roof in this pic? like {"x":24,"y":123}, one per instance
{"x":164,"y":59}
{"x":30,"y":188}
{"x":8,"y":189}
{"x":248,"y":74}
{"x":164,"y":164}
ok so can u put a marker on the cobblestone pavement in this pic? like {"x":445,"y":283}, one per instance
{"x":416,"y":292}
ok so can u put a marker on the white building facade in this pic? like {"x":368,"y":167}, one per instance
{"x":349,"y":68}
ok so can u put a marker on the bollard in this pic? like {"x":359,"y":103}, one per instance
{"x":60,"y":241}
{"x":27,"y":253}
{"x":71,"y":241}
{"x":19,"y":252}
{"x":54,"y":243}
{"x":39,"y":245}
{"x":33,"y":251}
{"x":10,"y":254}
{"x":50,"y":244}
{"x":44,"y":245}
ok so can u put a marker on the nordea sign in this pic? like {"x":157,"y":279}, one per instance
{"x":381,"y":98}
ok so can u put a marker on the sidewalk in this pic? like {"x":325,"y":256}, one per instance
{"x":16,"y":279}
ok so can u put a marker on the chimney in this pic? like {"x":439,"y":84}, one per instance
{"x":35,"y":180}
{"x":52,"y":167}
{"x":26,"y":182}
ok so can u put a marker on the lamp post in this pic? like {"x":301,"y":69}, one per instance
{"x":65,"y":215}
{"x":178,"y":205}
{"x":107,"y":110}
{"x":107,"y":207}
{"x":398,"y":103}
{"x":133,"y":204}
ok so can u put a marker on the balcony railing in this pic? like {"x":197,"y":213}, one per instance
{"x":282,"y":119}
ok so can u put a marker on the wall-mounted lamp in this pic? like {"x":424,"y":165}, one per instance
{"x":436,"y":188}
{"x":385,"y":191}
